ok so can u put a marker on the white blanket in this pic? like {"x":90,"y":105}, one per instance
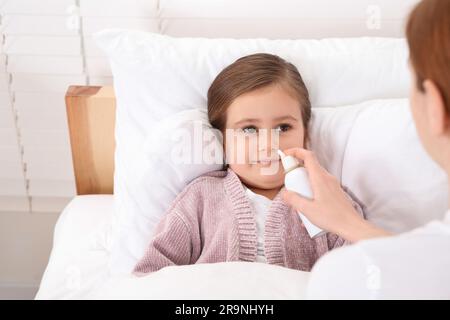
{"x":78,"y":267}
{"x":225,"y":280}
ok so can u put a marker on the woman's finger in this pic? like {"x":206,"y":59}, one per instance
{"x":308,"y":157}
{"x":297,"y":201}
{"x":312,"y":165}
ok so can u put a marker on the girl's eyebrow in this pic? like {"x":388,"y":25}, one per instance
{"x":286,"y":118}
{"x":275,"y":119}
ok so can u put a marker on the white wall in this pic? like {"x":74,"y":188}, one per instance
{"x":25,"y":244}
{"x":46,"y":46}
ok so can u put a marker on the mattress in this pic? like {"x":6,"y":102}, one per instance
{"x":78,"y":267}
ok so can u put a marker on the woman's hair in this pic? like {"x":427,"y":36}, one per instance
{"x":254,"y":72}
{"x":428,"y":35}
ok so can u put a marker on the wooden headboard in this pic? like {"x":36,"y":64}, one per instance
{"x":91,"y":118}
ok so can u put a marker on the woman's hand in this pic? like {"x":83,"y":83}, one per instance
{"x":330,"y":209}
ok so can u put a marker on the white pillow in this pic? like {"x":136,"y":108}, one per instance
{"x":153,"y":178}
{"x":386,"y":166}
{"x":374,"y":150}
{"x":329,"y":131}
{"x":157,"y":76}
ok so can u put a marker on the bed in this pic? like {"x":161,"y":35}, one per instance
{"x":78,"y":265}
{"x":343,"y":122}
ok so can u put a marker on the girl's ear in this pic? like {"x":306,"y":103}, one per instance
{"x":437,"y":116}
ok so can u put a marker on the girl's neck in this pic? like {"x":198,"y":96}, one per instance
{"x":268,"y":193}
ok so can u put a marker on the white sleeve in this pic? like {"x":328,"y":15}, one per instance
{"x":344,"y":273}
{"x":413,"y":265}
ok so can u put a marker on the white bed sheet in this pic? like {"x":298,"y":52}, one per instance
{"x":78,"y":267}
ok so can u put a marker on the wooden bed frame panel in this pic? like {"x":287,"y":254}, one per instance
{"x":91,"y":118}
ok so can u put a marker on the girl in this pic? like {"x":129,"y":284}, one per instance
{"x":238,"y":214}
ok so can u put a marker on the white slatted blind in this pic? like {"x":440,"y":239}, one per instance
{"x":47,"y":46}
{"x":13,"y":194}
{"x":43,"y":57}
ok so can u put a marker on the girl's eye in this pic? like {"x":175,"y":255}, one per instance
{"x":284,"y":127}
{"x":250,"y":130}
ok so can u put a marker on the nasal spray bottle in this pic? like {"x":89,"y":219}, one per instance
{"x":296,"y":179}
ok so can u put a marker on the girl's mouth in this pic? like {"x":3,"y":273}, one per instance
{"x":266,"y":162}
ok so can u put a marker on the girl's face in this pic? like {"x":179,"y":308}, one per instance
{"x":252,"y":151}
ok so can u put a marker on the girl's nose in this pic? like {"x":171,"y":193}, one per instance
{"x":268,"y":140}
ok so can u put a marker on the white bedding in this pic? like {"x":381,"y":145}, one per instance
{"x":77,"y":268}
{"x":79,"y":258}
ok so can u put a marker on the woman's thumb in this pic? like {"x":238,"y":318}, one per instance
{"x":297,"y":201}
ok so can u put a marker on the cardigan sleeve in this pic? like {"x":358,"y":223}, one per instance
{"x":171,"y":245}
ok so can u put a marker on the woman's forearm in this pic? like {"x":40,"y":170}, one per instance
{"x":360,"y":229}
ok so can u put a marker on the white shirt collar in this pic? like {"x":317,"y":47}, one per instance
{"x":254,"y":196}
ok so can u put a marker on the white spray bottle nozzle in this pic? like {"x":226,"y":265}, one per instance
{"x":289,"y":162}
